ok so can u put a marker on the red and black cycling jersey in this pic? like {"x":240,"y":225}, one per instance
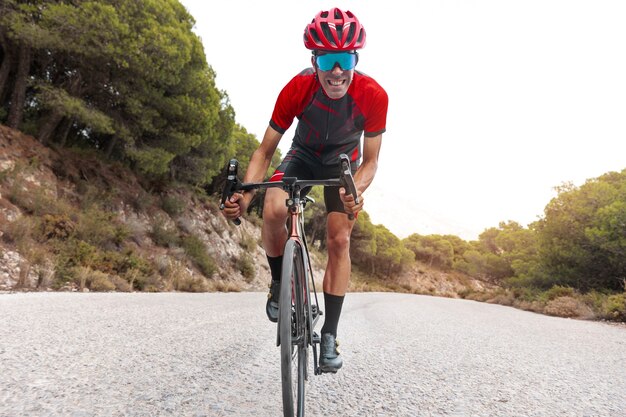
{"x":329,"y":127}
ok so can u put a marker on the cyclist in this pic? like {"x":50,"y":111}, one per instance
{"x":335,"y":106}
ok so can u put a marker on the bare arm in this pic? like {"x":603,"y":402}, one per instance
{"x":365,"y":173}
{"x":259,"y":163}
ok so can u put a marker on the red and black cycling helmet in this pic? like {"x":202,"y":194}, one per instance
{"x":334,"y":30}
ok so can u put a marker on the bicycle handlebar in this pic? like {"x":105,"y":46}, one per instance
{"x":290,"y":184}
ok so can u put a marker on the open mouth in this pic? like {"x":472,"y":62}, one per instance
{"x":336,"y":83}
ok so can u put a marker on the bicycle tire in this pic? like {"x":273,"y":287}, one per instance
{"x":293,"y":331}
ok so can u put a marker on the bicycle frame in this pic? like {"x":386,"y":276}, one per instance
{"x":296,"y":233}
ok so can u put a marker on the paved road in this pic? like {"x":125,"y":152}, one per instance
{"x":81,"y":355}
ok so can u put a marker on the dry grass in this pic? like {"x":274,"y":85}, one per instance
{"x":223,"y":286}
{"x":568,"y":306}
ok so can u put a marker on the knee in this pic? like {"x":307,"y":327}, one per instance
{"x":338,"y":242}
{"x":274,"y":211}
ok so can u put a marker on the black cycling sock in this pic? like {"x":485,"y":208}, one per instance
{"x":332,"y":305}
{"x":276,"y":266}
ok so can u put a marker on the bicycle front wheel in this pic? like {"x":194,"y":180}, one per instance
{"x":292,"y":330}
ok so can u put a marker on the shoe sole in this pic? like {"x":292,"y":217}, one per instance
{"x":329,"y":370}
{"x":270,"y":318}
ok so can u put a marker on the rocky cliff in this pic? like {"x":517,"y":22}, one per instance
{"x":52,"y":200}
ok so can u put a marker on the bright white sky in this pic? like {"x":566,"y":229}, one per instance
{"x":492,"y":102}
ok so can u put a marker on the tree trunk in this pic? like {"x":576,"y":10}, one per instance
{"x":48,"y":127}
{"x":5,"y":67}
{"x":111,"y":145}
{"x":19,"y":91}
{"x":64,"y":130}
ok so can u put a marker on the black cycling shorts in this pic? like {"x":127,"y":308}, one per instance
{"x":292,"y":166}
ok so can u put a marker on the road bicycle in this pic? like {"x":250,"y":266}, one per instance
{"x":299,"y":310}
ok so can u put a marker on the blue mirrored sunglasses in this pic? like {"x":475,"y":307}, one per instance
{"x":346,"y":60}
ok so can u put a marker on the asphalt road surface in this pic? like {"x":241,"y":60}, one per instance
{"x":80,"y":355}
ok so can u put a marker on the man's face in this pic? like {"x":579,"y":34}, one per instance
{"x":335,"y":80}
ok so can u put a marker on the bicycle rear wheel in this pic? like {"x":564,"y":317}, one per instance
{"x":292,"y":331}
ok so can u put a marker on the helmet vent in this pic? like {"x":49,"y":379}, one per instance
{"x":361,"y":35}
{"x":351,"y":32}
{"x":328,"y":34}
{"x":315,"y":36}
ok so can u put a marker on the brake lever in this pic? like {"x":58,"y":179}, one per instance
{"x":347,"y":179}
{"x":231,"y":186}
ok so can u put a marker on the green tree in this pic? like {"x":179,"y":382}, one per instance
{"x":434,"y":250}
{"x":315,"y":218}
{"x":500,"y":253}
{"x":391,"y":255}
{"x":376,"y":250}
{"x":128,"y":77}
{"x":363,"y":243}
{"x":581,"y":235}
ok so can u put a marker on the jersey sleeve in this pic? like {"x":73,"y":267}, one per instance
{"x":376,"y":118}
{"x":291,"y":101}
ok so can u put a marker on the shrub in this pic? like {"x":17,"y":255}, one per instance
{"x":255,"y":219}
{"x":101,"y":282}
{"x":56,"y":227}
{"x":196,"y":249}
{"x":141,"y":201}
{"x":76,"y":252}
{"x":614,"y":307}
{"x":20,"y":231}
{"x":172,"y":205}
{"x":246,"y":267}
{"x":212,"y":207}
{"x":248,"y":243}
{"x":36,"y":200}
{"x":120,"y":284}
{"x":171,"y":270}
{"x":186,"y":225}
{"x":188,"y":283}
{"x":136,"y":230}
{"x":101,"y":228}
{"x":595,"y":300}
{"x":557,"y":291}
{"x":528,"y":294}
{"x":85,"y":277}
{"x":224,"y":286}
{"x":505,"y":298}
{"x":568,"y":306}
{"x":163,"y":236}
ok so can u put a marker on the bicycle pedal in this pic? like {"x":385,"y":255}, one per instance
{"x":315,"y":311}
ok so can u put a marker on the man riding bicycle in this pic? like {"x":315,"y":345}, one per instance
{"x":335,"y":106}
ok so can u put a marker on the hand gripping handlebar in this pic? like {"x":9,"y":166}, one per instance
{"x":347,"y":180}
{"x":232,"y":184}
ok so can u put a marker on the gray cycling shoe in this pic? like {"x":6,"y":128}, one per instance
{"x":271,"y":307}
{"x":330,"y":361}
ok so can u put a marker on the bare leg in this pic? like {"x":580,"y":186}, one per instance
{"x":336,"y":282}
{"x":274,"y":233}
{"x":338,"y":269}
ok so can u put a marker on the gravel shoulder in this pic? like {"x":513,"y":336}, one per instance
{"x":214,"y":354}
